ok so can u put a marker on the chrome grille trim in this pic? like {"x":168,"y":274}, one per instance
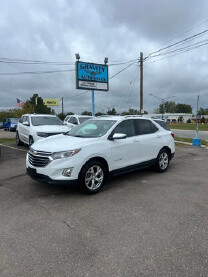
{"x":39,"y":158}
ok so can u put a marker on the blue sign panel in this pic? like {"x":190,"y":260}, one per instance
{"x":92,"y":76}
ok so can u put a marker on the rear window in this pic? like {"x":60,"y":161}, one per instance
{"x":162,"y":124}
{"x":45,"y":120}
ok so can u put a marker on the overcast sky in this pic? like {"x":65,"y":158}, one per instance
{"x":47,"y":30}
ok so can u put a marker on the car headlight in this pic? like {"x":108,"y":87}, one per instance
{"x":41,"y":134}
{"x":64,"y":154}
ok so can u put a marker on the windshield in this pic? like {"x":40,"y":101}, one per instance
{"x":14,"y":120}
{"x":82,"y":119}
{"x":92,"y":128}
{"x":45,"y":120}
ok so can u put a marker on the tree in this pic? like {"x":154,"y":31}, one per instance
{"x":180,"y":118}
{"x":61,"y":116}
{"x":112,"y":112}
{"x":86,"y":113}
{"x":40,"y":107}
{"x":99,"y":114}
{"x":203,"y":111}
{"x":203,"y":119}
{"x":170,"y":107}
{"x":183,"y":108}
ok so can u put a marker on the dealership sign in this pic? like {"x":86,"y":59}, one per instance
{"x":91,"y":76}
{"x":51,"y":102}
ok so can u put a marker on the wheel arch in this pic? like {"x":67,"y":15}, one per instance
{"x":97,"y":158}
{"x":168,"y":149}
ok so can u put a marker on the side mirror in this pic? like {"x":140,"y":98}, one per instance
{"x":26,"y":123}
{"x":118,"y":136}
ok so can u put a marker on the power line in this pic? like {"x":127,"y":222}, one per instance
{"x":121,"y":70}
{"x":137,"y":71}
{"x":78,"y":94}
{"x":185,"y":50}
{"x":199,"y":43}
{"x":176,"y":43}
{"x":180,"y":34}
{"x":35,"y":72}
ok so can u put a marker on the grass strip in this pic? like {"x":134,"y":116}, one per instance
{"x":188,"y":126}
{"x":203,"y":142}
{"x":3,"y":140}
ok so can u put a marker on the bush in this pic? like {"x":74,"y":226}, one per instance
{"x":189,"y":120}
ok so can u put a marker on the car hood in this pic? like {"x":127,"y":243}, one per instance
{"x":51,"y":129}
{"x":61,"y":142}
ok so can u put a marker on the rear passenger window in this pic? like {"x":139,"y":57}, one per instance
{"x":144,"y":127}
{"x":125,"y":127}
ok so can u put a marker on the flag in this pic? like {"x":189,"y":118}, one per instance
{"x":19,"y":103}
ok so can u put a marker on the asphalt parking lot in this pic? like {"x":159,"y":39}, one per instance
{"x":141,"y":223}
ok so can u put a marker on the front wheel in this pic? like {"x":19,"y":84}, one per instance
{"x":163,"y":160}
{"x":31,"y":141}
{"x":92,"y":177}
{"x":18,"y":141}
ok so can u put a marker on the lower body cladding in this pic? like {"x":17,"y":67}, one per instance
{"x":60,"y":172}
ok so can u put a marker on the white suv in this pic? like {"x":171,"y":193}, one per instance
{"x":99,"y":147}
{"x":73,"y":120}
{"x":32,"y":127}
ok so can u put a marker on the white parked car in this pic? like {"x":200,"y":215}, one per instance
{"x":74,"y":120}
{"x":32,"y":127}
{"x":99,"y":147}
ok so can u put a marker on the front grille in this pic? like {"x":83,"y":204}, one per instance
{"x":39,"y":158}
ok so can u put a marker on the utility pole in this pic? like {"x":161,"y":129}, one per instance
{"x":141,"y":82}
{"x":62,"y":104}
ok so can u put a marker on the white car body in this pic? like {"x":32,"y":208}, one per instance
{"x":26,"y":131}
{"x":119,"y":155}
{"x":73,"y":120}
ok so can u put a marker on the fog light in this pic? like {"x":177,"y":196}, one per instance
{"x":67,"y":172}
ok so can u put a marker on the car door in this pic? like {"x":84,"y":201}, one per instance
{"x":25,"y":129}
{"x":70,"y":122}
{"x":148,"y":140}
{"x":122,"y":150}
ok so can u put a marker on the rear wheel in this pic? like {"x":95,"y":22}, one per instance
{"x":92,"y":177}
{"x":18,"y":141}
{"x":163,"y":160}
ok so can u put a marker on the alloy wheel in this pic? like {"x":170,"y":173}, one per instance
{"x":163,"y":160}
{"x":94,"y":177}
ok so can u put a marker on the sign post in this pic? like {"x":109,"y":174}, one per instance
{"x":93,"y":103}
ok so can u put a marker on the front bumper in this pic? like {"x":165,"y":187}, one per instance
{"x":32,"y":172}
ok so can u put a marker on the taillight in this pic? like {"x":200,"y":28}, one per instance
{"x":172,"y":135}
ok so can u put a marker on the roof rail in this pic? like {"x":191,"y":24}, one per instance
{"x":133,"y":115}
{"x":107,"y":115}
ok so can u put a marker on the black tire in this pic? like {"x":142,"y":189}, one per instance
{"x":162,"y":161}
{"x":31,"y":141}
{"x":92,"y":177}
{"x":18,"y":141}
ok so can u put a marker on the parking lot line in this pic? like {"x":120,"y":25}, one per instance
{"x":12,"y":147}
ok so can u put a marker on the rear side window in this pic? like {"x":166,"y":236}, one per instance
{"x":144,"y":127}
{"x":162,"y":124}
{"x":125,"y":127}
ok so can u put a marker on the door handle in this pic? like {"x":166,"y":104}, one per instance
{"x":136,"y":140}
{"x":158,"y":136}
